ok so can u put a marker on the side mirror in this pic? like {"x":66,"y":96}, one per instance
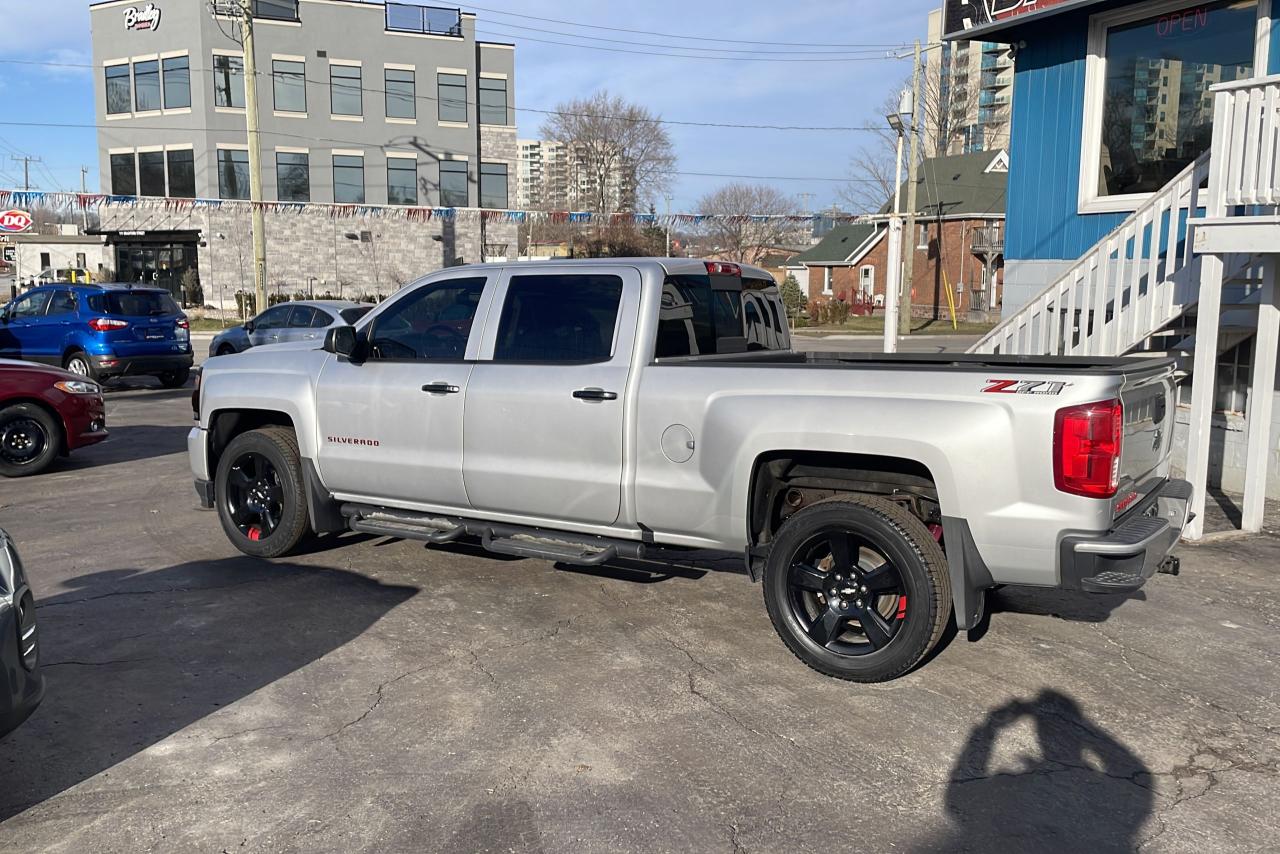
{"x":342,"y":341}
{"x":249,"y":326}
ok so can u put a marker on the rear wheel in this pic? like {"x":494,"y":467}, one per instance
{"x":857,"y":588}
{"x":78,"y":363}
{"x":225,"y":350}
{"x":174,"y":379}
{"x":259,"y":492}
{"x":30,"y":440}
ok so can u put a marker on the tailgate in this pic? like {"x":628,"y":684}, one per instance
{"x":1148,"y":400}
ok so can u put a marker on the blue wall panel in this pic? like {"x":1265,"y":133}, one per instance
{"x":1044,"y":158}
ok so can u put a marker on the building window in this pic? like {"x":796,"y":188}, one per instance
{"x":288,"y":81}
{"x":866,"y":280}
{"x":146,"y":85}
{"x":228,"y":81}
{"x":402,"y":181}
{"x":348,"y":179}
{"x":493,"y":101}
{"x":826,"y":281}
{"x":276,"y":10}
{"x":453,"y":183}
{"x":344,"y":90}
{"x":1139,"y":62}
{"x":493,"y":185}
{"x":452,"y":93}
{"x":401,"y":102}
{"x":233,"y":174}
{"x":922,"y":236}
{"x":1234,"y":374}
{"x":151,"y":173}
{"x":182,"y":174}
{"x":119,"y":98}
{"x":293,"y":176}
{"x":124,"y":180}
{"x":177,"y":82}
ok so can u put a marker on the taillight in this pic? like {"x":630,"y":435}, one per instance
{"x":106,"y":324}
{"x":183,"y":323}
{"x":1086,"y":448}
{"x":723,"y":268}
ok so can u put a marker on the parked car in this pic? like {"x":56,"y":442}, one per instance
{"x":23,"y":687}
{"x":45,"y":412}
{"x":289,"y":321}
{"x":611,"y":405}
{"x":100,"y":331}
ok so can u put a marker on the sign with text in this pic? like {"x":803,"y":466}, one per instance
{"x":14,"y":221}
{"x":146,"y":18}
{"x":963,"y":15}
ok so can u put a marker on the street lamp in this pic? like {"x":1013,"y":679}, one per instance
{"x":898,"y":123}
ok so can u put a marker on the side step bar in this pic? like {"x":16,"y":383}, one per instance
{"x":495,"y":537}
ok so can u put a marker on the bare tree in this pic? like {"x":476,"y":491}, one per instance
{"x":623,"y":148}
{"x":732,"y":231}
{"x":872,"y":168}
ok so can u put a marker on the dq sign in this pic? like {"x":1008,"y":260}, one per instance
{"x":14,"y":221}
{"x":146,"y":18}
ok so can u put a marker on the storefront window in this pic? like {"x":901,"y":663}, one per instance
{"x":1157,"y":110}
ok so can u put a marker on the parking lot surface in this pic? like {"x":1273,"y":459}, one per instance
{"x":378,"y":695}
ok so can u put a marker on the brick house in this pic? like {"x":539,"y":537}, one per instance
{"x":958,"y":245}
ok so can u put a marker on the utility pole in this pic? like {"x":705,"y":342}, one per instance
{"x":909,"y":232}
{"x":255,"y":157}
{"x":804,"y":201}
{"x":26,"y":161}
{"x":84,"y":190}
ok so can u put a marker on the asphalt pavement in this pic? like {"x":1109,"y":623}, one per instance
{"x":376,"y":695}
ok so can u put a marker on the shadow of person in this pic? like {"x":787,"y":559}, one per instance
{"x":132,"y":657}
{"x":1075,"y":789}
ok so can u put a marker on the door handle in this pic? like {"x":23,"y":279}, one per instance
{"x":440,"y":388}
{"x":595,"y":394}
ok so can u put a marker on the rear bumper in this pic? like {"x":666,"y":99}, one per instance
{"x":1126,"y":556}
{"x":119,"y":366}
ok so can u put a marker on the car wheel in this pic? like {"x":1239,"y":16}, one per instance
{"x":78,"y":363}
{"x":259,"y":492}
{"x":30,"y":440}
{"x":857,"y":588}
{"x":225,"y":350}
{"x":174,"y":379}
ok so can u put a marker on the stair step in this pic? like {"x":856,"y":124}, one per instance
{"x":1112,"y":581}
{"x":546,"y":548}
{"x":406,"y":530}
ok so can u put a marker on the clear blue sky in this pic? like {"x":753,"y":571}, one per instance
{"x":714,"y":90}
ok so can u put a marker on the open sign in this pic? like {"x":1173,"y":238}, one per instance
{"x":13,"y":221}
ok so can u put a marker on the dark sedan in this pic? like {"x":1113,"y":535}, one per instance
{"x":23,"y":687}
{"x":45,"y":412}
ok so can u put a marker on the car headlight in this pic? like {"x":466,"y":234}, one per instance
{"x":78,"y":387}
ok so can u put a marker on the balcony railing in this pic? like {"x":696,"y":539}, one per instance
{"x":425,"y":20}
{"x":988,"y":240}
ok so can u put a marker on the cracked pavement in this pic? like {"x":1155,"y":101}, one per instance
{"x":376,"y":695}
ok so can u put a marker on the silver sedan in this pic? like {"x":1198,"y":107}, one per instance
{"x":288,"y":321}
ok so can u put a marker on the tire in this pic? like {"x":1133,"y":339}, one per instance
{"x":263,"y":510}
{"x":174,"y":379}
{"x":893,"y":599}
{"x":225,"y":350}
{"x":78,"y":363}
{"x":30,"y":440}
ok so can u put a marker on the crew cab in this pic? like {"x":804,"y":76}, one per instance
{"x":585,"y":410}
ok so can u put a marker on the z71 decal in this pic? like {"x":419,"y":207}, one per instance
{"x":1024,"y":387}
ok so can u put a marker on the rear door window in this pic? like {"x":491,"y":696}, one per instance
{"x":321,"y":319}
{"x":62,"y":303}
{"x":273,"y":318}
{"x":351,"y":315}
{"x":432,"y":323}
{"x":559,"y":318}
{"x":133,"y":303}
{"x":302,"y":317}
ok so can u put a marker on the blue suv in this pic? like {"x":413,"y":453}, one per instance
{"x":99,"y":331}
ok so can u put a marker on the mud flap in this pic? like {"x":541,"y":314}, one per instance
{"x":970,"y":577}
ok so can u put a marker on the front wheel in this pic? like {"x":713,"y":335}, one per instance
{"x":259,"y":492}
{"x":857,"y":588}
{"x":30,"y":439}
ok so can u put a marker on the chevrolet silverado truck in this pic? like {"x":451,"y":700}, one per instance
{"x":587,"y":411}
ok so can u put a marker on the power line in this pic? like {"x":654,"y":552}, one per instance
{"x":663,"y":35}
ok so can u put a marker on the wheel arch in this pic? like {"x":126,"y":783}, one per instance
{"x":50,"y":409}
{"x":226,"y":424}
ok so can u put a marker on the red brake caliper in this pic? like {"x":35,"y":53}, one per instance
{"x":255,"y":533}
{"x":902,"y":607}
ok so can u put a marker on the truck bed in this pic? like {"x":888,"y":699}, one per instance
{"x":972,"y":362}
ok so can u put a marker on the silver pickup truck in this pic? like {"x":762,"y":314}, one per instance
{"x":586,"y":411}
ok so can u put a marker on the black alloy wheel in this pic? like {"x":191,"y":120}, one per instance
{"x":846,"y":594}
{"x":255,"y":496}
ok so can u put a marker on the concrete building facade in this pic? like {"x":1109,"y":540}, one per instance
{"x":554,"y":176}
{"x":366,"y":104}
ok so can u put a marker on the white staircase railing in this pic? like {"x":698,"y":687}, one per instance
{"x":1126,"y":288}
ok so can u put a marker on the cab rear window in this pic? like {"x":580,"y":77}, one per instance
{"x":699,"y":319}
{"x":133,"y":304}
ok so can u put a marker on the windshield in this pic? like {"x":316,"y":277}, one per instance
{"x":351,"y":315}
{"x":133,"y":303}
